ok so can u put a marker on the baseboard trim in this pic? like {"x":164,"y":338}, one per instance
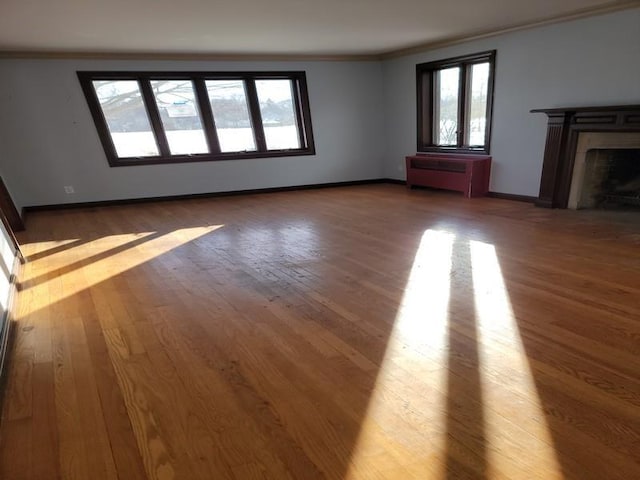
{"x":395,"y":181}
{"x":108,"y":203}
{"x":352,"y":183}
{"x":511,"y":196}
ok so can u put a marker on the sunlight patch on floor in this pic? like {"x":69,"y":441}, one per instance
{"x":31,"y":248}
{"x":414,"y":361}
{"x":517,"y":435}
{"x":46,"y":281}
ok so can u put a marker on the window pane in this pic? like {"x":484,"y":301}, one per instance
{"x":229,"y":105}
{"x":126,"y":116}
{"x":278,"y":114}
{"x":180,"y":117}
{"x":446,"y":118}
{"x":477,"y":107}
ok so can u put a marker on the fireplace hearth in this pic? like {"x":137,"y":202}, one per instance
{"x":564,"y":129}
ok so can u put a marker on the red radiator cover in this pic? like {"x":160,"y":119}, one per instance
{"x":468,"y":174}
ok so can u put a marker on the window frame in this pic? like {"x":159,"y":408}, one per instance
{"x":300,"y":99}
{"x":426,"y":99}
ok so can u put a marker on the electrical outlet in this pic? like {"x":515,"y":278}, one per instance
{"x":69,"y":189}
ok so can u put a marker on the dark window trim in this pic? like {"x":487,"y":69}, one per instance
{"x":425,"y":95}
{"x":299,"y":94}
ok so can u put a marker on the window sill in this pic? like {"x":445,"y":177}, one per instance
{"x":469,"y":151}
{"x":133,"y":161}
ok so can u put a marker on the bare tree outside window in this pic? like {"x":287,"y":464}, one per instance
{"x":124,"y":112}
{"x":228,"y":100}
{"x":172,"y":117}
{"x":180,"y":116}
{"x":446,"y":116}
{"x":455,"y":102}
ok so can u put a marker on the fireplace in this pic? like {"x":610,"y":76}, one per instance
{"x":610,"y":178}
{"x":605,"y":166}
{"x":568,"y":130}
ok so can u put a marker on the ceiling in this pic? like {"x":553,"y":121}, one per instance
{"x":276,"y":27}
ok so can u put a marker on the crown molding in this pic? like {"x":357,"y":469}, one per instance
{"x":185,"y":56}
{"x":575,"y":15}
{"x":610,"y":7}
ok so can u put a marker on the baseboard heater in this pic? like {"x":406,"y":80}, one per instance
{"x":468,"y":174}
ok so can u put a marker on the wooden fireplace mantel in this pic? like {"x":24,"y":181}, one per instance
{"x":563,"y":129}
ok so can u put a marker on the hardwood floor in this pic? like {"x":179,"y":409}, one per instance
{"x":364,"y":332}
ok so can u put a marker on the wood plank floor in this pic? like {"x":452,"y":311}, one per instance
{"x":365,"y":332}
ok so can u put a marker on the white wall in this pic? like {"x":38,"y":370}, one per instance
{"x":594,"y":61}
{"x":363,"y":114}
{"x":49,"y":139}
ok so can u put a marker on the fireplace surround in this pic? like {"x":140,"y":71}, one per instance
{"x":564,"y":127}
